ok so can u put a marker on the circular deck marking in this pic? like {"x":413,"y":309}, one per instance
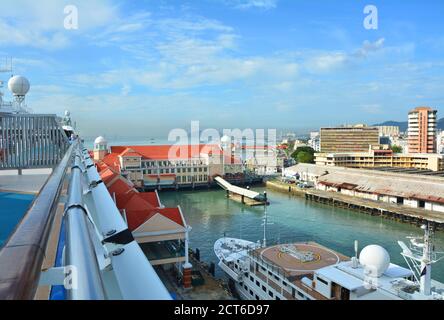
{"x":323,"y":257}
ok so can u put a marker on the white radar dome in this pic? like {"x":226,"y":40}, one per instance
{"x":100,"y":140}
{"x":18,"y":85}
{"x":225,"y":139}
{"x":375,"y":259}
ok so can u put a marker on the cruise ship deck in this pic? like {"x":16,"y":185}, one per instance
{"x":300,"y":258}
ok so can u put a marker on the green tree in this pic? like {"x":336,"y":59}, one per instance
{"x":397,"y":149}
{"x":305,"y":157}
{"x":304,"y":154}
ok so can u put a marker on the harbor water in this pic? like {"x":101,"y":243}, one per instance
{"x":291,"y":218}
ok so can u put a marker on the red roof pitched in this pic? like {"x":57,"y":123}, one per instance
{"x":139,"y":207}
{"x":112,"y":160}
{"x":165,"y":152}
{"x":151,"y":198}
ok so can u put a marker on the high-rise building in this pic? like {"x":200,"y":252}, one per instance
{"x":357,"y":138}
{"x":422,"y":130}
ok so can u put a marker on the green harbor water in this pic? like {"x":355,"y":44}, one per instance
{"x":211,"y":214}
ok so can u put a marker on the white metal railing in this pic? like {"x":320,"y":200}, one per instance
{"x":31,"y":141}
{"x":106,"y":261}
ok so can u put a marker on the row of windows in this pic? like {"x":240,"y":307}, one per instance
{"x":178,"y":170}
{"x":199,"y":178}
{"x":270,"y":293}
{"x":148,"y":164}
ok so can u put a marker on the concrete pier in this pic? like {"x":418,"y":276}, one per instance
{"x":375,"y":208}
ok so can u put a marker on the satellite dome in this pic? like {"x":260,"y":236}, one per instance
{"x":375,"y":260}
{"x":100,"y":140}
{"x":225,"y":139}
{"x":18,"y":85}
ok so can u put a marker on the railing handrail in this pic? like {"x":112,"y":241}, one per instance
{"x":22,"y":256}
{"x":79,"y":248}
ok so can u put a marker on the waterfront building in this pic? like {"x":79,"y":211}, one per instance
{"x":382,"y":158}
{"x":356,"y":138}
{"x":169,"y":165}
{"x":422,"y":130}
{"x":426,"y":192}
{"x":263,"y":160}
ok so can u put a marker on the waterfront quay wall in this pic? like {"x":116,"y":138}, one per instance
{"x":202,"y":186}
{"x":285,"y":187}
{"x":391,"y":211}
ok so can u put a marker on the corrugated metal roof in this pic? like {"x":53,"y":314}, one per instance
{"x":384,"y":183}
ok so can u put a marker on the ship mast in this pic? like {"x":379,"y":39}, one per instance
{"x":426,"y":261}
{"x":265,"y":222}
{"x":420,"y":257}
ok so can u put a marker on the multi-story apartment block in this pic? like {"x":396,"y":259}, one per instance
{"x":422,"y":130}
{"x":348,"y":139}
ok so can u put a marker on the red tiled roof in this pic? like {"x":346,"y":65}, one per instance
{"x":107,"y":175}
{"x":151,"y":198}
{"x":128,"y":152}
{"x":112,"y":160}
{"x":136,"y":218}
{"x":139,"y":207}
{"x":172,"y":214}
{"x":165,"y":152}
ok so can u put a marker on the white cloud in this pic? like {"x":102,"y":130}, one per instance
{"x":40,"y":24}
{"x":328,"y":61}
{"x":368,"y":47}
{"x":247,"y":4}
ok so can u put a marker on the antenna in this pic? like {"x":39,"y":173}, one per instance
{"x":420,"y":257}
{"x":355,"y":261}
{"x":264,"y":224}
{"x":356,"y":249}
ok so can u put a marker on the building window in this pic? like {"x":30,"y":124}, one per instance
{"x":270,"y":293}
{"x":263,"y":288}
{"x":257,"y":283}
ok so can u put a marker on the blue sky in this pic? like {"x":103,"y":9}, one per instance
{"x":145,"y":67}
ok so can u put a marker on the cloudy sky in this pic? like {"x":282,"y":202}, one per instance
{"x":145,"y":67}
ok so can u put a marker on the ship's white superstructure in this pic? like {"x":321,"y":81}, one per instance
{"x":309,"y":271}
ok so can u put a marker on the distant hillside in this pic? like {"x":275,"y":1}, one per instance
{"x":404,"y":125}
